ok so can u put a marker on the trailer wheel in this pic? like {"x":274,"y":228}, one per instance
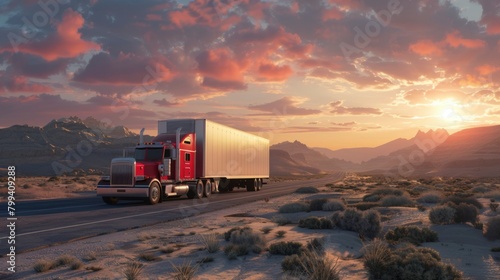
{"x":154,"y":193}
{"x":251,"y":185}
{"x":259,"y":184}
{"x":207,"y":190}
{"x":110,"y":200}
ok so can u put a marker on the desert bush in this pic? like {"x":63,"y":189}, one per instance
{"x":495,"y":195}
{"x":76,"y":265}
{"x":334,"y":205}
{"x":351,"y":219}
{"x":227,"y":234}
{"x":379,"y":193}
{"x":412,"y":234}
{"x":148,"y":257}
{"x":430,"y":197}
{"x":211,"y":242}
{"x":316,"y":223}
{"x":292,"y":264}
{"x":294,"y":207}
{"x":317,"y":204}
{"x":285,"y":248}
{"x":365,"y":205}
{"x":280,"y":233}
{"x":407,"y":262}
{"x":492,"y":231}
{"x":370,"y":224}
{"x":266,"y":230}
{"x":185,"y":271}
{"x":316,"y":244}
{"x":468,"y":200}
{"x":481,"y":189}
{"x":493,"y":206}
{"x":243,"y":241}
{"x":395,"y":200}
{"x":442,"y":215}
{"x":464,"y":213}
{"x":133,"y":271}
{"x":307,"y":190}
{"x":366,"y":223}
{"x":43,"y":265}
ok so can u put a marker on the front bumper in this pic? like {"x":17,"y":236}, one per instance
{"x":139,"y":191}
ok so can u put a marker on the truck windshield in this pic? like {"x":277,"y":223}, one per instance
{"x":148,"y":154}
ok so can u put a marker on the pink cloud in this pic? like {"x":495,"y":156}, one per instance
{"x":65,"y":43}
{"x":272,"y":72}
{"x":425,"y":48}
{"x":9,"y":83}
{"x":220,"y":69}
{"x":455,"y":40}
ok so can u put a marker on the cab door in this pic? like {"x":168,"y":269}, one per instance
{"x":187,"y":163}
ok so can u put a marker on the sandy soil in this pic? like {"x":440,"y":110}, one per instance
{"x":181,"y":242}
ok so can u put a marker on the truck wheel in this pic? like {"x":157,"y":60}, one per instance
{"x":199,"y":189}
{"x":110,"y":200}
{"x":207,"y":190}
{"x":259,"y":184}
{"x":154,"y":193}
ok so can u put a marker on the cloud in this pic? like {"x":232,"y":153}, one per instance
{"x":16,"y":83}
{"x":165,"y":103}
{"x":426,"y":48}
{"x":284,"y":106}
{"x":125,"y":69}
{"x":338,"y":109}
{"x":220,"y":69}
{"x":66,"y":42}
{"x":271,"y":72}
{"x":455,"y":40}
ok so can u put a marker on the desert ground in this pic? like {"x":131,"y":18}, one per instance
{"x":259,"y":240}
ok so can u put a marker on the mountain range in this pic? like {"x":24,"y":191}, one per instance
{"x":75,"y":146}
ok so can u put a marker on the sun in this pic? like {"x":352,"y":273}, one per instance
{"x":450,"y":110}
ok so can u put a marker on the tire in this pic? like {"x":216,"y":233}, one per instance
{"x":199,"y":189}
{"x":207,"y":190}
{"x":251,"y":185}
{"x":259,"y":184}
{"x":110,"y":200}
{"x":154,"y":193}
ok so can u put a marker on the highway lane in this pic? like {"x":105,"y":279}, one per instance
{"x":43,"y":223}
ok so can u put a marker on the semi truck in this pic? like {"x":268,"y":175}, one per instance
{"x":192,"y":157}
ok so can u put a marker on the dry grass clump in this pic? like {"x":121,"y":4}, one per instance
{"x":185,"y":271}
{"x":294,"y":207}
{"x":406,"y":262}
{"x":310,"y":264}
{"x":379,"y":193}
{"x":211,"y":242}
{"x":149,"y":257}
{"x":412,"y":234}
{"x":133,"y":270}
{"x":492,"y":231}
{"x":64,"y":260}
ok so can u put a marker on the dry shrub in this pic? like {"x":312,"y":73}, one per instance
{"x":412,"y":234}
{"x":406,"y":262}
{"x":457,"y":199}
{"x":294,"y":207}
{"x":397,"y":200}
{"x":243,"y":241}
{"x":492,"y":231}
{"x":211,"y":242}
{"x":442,"y":215}
{"x":430,"y":197}
{"x":366,"y":223}
{"x":185,"y":271}
{"x":316,"y":223}
{"x":285,"y":248}
{"x":307,"y":190}
{"x":334,"y":205}
{"x":133,"y":271}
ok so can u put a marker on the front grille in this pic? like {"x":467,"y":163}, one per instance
{"x":122,"y":174}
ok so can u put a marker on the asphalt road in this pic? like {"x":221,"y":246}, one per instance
{"x":42,"y":223}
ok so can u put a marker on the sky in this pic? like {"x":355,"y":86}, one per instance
{"x":328,"y":73}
